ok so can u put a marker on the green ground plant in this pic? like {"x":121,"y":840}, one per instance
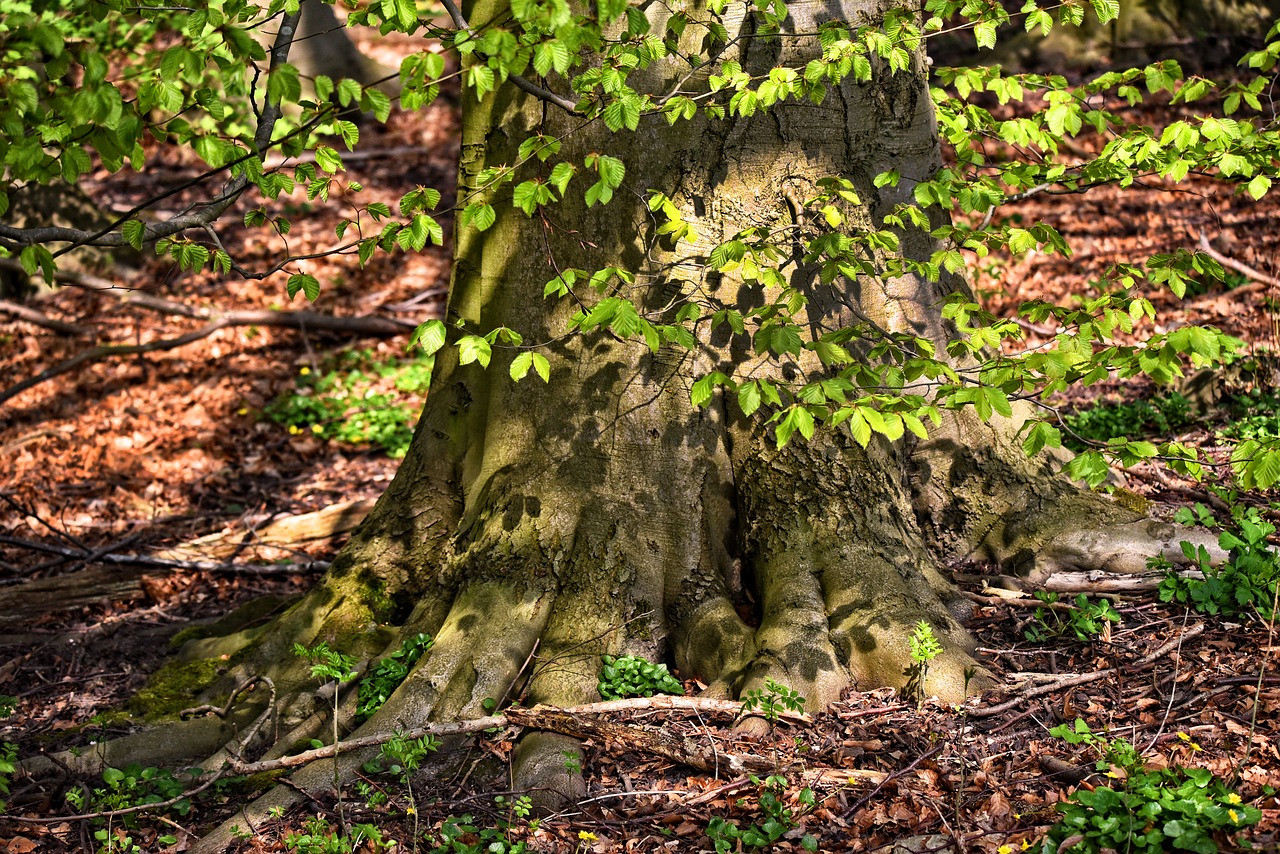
{"x":771,"y":701}
{"x":318,"y":837}
{"x":1254,"y":415}
{"x":1086,"y":620}
{"x":126,"y":788}
{"x":925,"y":647}
{"x":404,"y":756}
{"x":357,"y":399}
{"x":1162,"y":415}
{"x":1150,"y":810}
{"x":631,"y":676}
{"x":8,"y":751}
{"x":1244,"y":584}
{"x":776,"y":819}
{"x":386,"y":677}
{"x":329,"y":665}
{"x":462,"y":835}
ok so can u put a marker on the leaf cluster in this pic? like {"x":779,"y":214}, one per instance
{"x":462,"y":835}
{"x":1086,"y":620}
{"x":387,"y":675}
{"x":777,"y":818}
{"x":319,"y":837}
{"x":1246,"y":583}
{"x":632,"y":676}
{"x":1145,"y":809}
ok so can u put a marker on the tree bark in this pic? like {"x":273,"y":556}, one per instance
{"x":603,"y":513}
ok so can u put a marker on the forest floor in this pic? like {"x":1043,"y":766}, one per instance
{"x":137,"y":455}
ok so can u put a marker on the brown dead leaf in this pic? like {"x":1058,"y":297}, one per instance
{"x":997,"y":806}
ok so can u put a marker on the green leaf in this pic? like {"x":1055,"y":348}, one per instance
{"x":525,"y":197}
{"x":473,"y":348}
{"x":349,"y":91}
{"x":377,"y":102}
{"x":134,"y":230}
{"x":479,"y":215}
{"x":430,"y":336}
{"x":1107,"y":10}
{"x":328,"y":159}
{"x":284,"y":85}
{"x":520,"y":365}
{"x":542,"y":366}
{"x":561,"y":174}
{"x":1041,"y":435}
{"x":37,"y":258}
{"x":304,"y":282}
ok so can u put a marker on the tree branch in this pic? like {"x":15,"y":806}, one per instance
{"x":104,"y":556}
{"x":1260,"y":278}
{"x":30,"y":315}
{"x":1072,"y":680}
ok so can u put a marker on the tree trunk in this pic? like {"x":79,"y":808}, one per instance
{"x":533,"y":527}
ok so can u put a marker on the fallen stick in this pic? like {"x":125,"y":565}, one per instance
{"x":539,"y":717}
{"x":305,"y":320}
{"x":1070,"y":681}
{"x":30,"y":315}
{"x":1260,"y":278}
{"x":162,"y":562}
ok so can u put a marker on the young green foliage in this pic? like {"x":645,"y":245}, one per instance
{"x":1085,"y":620}
{"x":630,"y":676}
{"x":1187,"y":809}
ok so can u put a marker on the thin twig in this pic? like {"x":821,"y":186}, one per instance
{"x":367,"y":325}
{"x":455,"y":14}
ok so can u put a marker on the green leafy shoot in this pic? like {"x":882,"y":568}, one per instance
{"x":631,"y":676}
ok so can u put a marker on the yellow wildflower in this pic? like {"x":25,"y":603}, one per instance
{"x":1233,"y":798}
{"x":587,"y":836}
{"x":1235,"y":817}
{"x":316,"y":428}
{"x":304,"y":371}
{"x":1005,"y":849}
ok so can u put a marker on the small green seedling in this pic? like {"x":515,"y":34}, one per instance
{"x":925,"y":647}
{"x":1086,"y":620}
{"x":772,"y":701}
